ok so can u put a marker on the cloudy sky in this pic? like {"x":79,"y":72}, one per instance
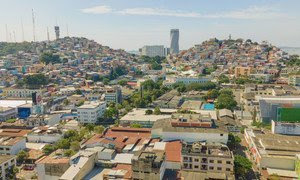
{"x":130,"y":24}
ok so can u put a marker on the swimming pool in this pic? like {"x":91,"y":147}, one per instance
{"x":208,"y":106}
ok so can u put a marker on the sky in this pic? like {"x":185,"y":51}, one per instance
{"x":131,"y":24}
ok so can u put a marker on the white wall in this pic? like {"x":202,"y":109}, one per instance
{"x":46,"y":138}
{"x":194,"y":137}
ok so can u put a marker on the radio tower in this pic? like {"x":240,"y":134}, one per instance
{"x":23,"y":39}
{"x":48,"y":37}
{"x":6,"y":29}
{"x":33,"y":25}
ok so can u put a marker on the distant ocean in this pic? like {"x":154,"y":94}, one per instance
{"x":291,"y":50}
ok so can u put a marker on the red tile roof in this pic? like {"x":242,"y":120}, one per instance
{"x":173,"y":151}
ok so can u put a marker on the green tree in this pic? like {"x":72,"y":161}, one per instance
{"x":49,"y":148}
{"x":22,"y":156}
{"x":241,"y":165}
{"x":63,"y":144}
{"x":49,"y":57}
{"x":35,"y":81}
{"x":123,"y":82}
{"x":225,"y":102}
{"x":69,"y":153}
{"x":99,"y":129}
{"x":157,"y":111}
{"x":233,"y":141}
{"x":135,"y":125}
{"x":66,"y":102}
{"x":149,"y":111}
{"x":90,"y":127}
{"x":75,"y":146}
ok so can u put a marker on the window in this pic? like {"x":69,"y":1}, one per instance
{"x":219,"y":169}
{"x":227,"y":169}
{"x":228,"y":162}
{"x":219,"y":162}
{"x":211,"y":168}
{"x":211,"y":161}
{"x":196,"y":160}
{"x":196,"y":166}
{"x":221,"y":134}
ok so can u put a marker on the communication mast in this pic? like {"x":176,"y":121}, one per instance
{"x":33,"y":25}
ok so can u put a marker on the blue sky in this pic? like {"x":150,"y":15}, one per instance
{"x":130,"y":24}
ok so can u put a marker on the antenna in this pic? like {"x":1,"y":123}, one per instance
{"x":6,"y":32}
{"x":67,"y":30}
{"x":14,"y":33}
{"x":48,"y":37}
{"x":33,"y":25}
{"x":23,"y":39}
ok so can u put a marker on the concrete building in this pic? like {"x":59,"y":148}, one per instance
{"x":294,"y":80}
{"x":7,"y":113}
{"x":12,"y":145}
{"x":57,"y":32}
{"x":285,"y":128}
{"x":272,"y":151}
{"x":90,"y":112}
{"x":45,"y":134}
{"x":113,"y":95}
{"x":152,"y":51}
{"x":80,"y":165}
{"x":202,"y":157}
{"x":242,"y":71}
{"x":174,"y":37}
{"x":269,"y":106}
{"x":170,"y":80}
{"x":53,"y":166}
{"x":21,"y":93}
{"x":7,"y":163}
{"x":191,"y":128}
{"x":139,"y":116}
{"x":148,"y":165}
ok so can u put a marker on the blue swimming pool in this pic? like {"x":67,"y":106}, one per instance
{"x":209,"y":106}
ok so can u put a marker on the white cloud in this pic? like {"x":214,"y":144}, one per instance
{"x":248,"y":13}
{"x":98,"y":10}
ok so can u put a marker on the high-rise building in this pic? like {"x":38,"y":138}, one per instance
{"x":56,"y":28}
{"x":174,"y":35}
{"x":152,"y":51}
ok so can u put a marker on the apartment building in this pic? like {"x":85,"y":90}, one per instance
{"x":152,"y":51}
{"x":294,"y":80}
{"x":202,"y":157}
{"x":113,"y":95}
{"x":12,"y":145}
{"x":7,"y":163}
{"x":21,"y":93}
{"x":7,"y":113}
{"x":91,"y":111}
{"x":242,"y":71}
{"x":148,"y":165}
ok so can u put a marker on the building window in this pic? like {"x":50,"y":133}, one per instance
{"x":227,"y":169}
{"x":221,"y":134}
{"x":185,"y":158}
{"x":196,"y":160}
{"x":211,"y":168}
{"x":219,"y":169}
{"x":211,"y":161}
{"x":228,"y":162}
{"x":196,"y":166}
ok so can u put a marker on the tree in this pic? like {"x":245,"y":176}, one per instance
{"x":49,"y":57}
{"x":241,"y":165}
{"x":69,"y":153}
{"x":226,"y":100}
{"x":63,"y":144}
{"x":48,"y":149}
{"x":90,"y":127}
{"x":223,"y":79}
{"x":149,"y":111}
{"x":78,"y":91}
{"x":66,"y":102}
{"x":212,"y":94}
{"x":157,"y":111}
{"x":111,"y":112}
{"x":35,"y":80}
{"x":233,"y":141}
{"x":135,"y":125}
{"x":10,"y":121}
{"x":99,"y":129}
{"x":123,"y":82}
{"x":75,"y":146}
{"x":22,"y":155}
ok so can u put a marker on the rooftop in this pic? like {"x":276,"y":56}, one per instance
{"x":140,"y":115}
{"x":4,"y":158}
{"x":10,"y":141}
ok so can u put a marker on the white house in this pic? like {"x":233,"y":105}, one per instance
{"x":90,"y":112}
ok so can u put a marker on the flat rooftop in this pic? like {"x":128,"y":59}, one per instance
{"x":140,"y":115}
{"x":4,"y":158}
{"x":13,"y":103}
